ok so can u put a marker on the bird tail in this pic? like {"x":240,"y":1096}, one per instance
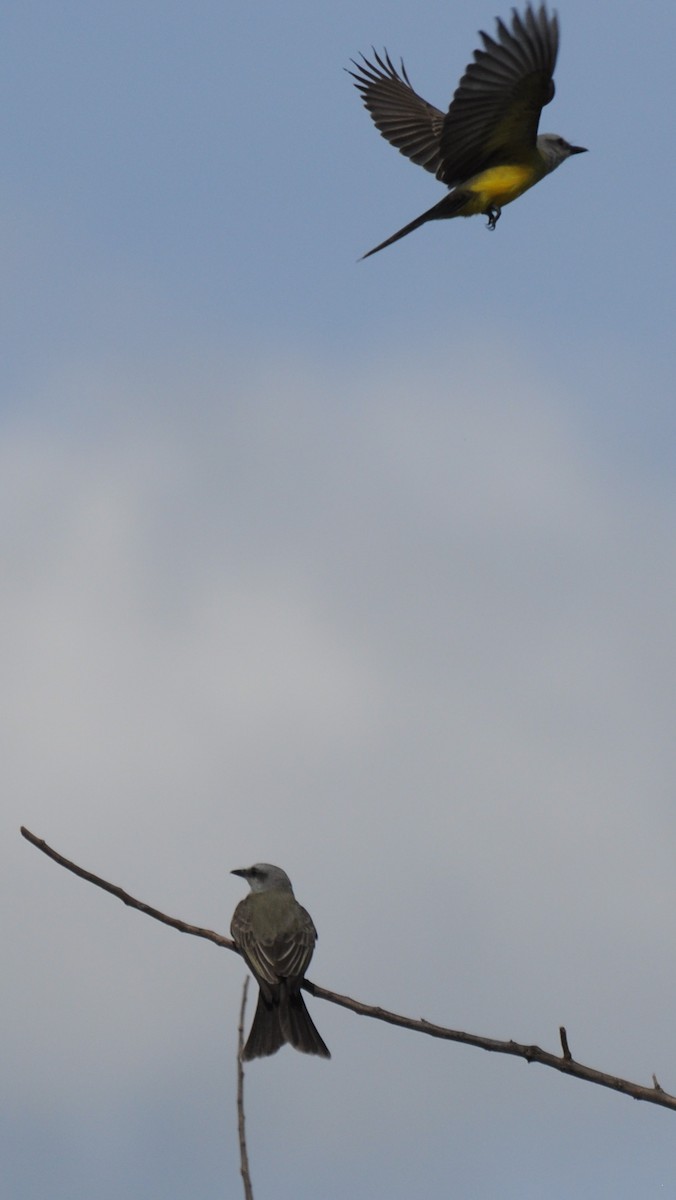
{"x":266,"y":1035}
{"x":280,"y":1019}
{"x":448,"y":207}
{"x":298,"y":1026}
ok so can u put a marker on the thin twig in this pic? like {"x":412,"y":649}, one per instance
{"x":114,"y":890}
{"x":243,"y":1156}
{"x":516,"y":1049}
{"x":567,"y":1065}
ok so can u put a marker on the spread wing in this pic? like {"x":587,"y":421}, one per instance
{"x":286,"y":955}
{"x":494,"y":115}
{"x":402,"y":116}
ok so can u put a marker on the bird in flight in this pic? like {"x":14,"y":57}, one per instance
{"x":486,"y":148}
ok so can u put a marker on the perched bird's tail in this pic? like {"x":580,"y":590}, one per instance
{"x":280,"y":1019}
{"x":448,"y":207}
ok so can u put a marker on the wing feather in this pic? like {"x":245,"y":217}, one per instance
{"x":286,"y":955}
{"x":399,"y":113}
{"x":494,"y":115}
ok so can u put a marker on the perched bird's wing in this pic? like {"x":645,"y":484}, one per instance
{"x":402,"y":116}
{"x":494,"y":114}
{"x":285,"y":955}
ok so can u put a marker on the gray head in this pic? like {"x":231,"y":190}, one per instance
{"x":555,"y":150}
{"x":263,"y":877}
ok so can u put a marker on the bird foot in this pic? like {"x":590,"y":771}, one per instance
{"x":493,"y":213}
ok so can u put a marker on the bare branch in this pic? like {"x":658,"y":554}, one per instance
{"x":114,"y":890}
{"x":243,"y":1156}
{"x":568,"y":1066}
{"x":564,"y":1063}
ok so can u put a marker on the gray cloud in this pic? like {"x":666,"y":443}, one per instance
{"x":412,"y":641}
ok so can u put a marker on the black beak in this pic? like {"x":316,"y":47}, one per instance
{"x":578,"y":149}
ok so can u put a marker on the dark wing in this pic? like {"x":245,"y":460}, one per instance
{"x":285,"y":956}
{"x":493,"y":117}
{"x":401,"y":115}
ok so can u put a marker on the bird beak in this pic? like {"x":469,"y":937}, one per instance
{"x":240,"y":871}
{"x":578,"y":149}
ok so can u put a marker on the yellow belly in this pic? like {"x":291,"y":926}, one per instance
{"x":498,"y":186}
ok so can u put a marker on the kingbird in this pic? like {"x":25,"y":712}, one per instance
{"x":276,"y":936}
{"x":486,"y":148}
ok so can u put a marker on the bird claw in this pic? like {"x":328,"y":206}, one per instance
{"x":493,"y":213}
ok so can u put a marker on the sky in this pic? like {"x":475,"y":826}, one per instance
{"x":366,"y":569}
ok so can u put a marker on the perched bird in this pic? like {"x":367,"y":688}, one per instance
{"x":486,"y":148}
{"x":276,"y":937}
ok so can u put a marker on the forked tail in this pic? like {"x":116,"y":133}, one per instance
{"x":282,"y":1017}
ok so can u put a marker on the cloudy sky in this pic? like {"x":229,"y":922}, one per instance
{"x":365,"y":569}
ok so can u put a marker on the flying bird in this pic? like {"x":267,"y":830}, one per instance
{"x":486,"y":148}
{"x":276,"y":937}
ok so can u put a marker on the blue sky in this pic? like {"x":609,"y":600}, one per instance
{"x":366,"y":569}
